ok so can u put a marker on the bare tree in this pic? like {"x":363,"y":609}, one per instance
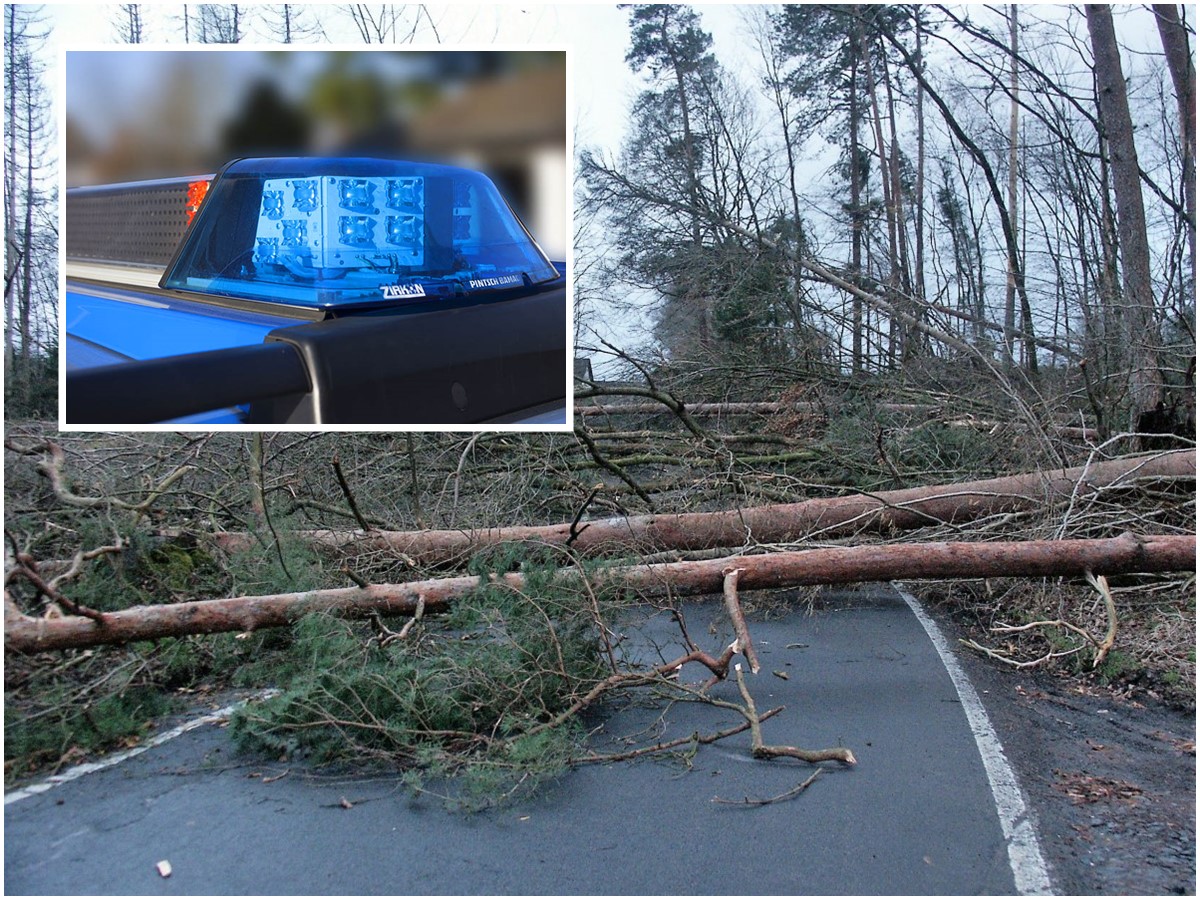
{"x":290,"y":23}
{"x":218,"y":23}
{"x":375,"y":26}
{"x":988,"y":170}
{"x":128,"y":23}
{"x":27,"y":138}
{"x":1014,"y":119}
{"x":15,"y":36}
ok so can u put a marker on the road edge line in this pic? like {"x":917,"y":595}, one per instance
{"x":117,"y":758}
{"x":1030,"y":874}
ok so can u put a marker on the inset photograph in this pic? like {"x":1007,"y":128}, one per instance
{"x":315,"y":239}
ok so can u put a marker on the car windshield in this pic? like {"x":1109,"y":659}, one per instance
{"x":354,"y":232}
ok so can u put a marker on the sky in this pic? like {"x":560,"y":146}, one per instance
{"x":596,"y":36}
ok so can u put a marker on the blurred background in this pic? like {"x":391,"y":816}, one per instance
{"x":133,"y":115}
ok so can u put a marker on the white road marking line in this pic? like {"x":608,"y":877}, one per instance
{"x":1030,"y":873}
{"x":109,"y":761}
{"x":1024,"y":852}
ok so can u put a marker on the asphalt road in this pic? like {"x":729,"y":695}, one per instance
{"x":915,"y":816}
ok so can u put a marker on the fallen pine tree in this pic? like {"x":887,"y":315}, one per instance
{"x":803,"y":409}
{"x":884,"y":512}
{"x":728,"y":409}
{"x":1106,"y":556}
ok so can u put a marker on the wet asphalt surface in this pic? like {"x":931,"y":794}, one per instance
{"x":915,"y":816}
{"x":1110,"y":774}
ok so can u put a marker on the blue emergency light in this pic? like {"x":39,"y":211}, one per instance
{"x":334,"y":234}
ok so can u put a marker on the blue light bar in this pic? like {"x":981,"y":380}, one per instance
{"x":335,"y":233}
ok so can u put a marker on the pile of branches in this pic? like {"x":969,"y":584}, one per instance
{"x":147,"y":542}
{"x":483,"y":704}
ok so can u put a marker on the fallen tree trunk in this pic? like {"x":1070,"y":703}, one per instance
{"x":883,"y":513}
{"x":748,"y":408}
{"x":840,"y":565}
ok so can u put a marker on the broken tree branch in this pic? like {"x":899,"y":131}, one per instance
{"x":26,"y":567}
{"x":1100,"y":583}
{"x":349,"y":494}
{"x":575,"y":529}
{"x":609,"y":465}
{"x":52,"y":468}
{"x":663,"y":746}
{"x":734,"y":607}
{"x":779,"y":798}
{"x":723,"y":409}
{"x":1102,"y":645}
{"x":759,"y":750}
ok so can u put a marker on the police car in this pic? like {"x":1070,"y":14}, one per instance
{"x":300,"y":291}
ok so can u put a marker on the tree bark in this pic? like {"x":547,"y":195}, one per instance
{"x":1140,"y":336}
{"x":842,"y":565}
{"x":824,"y":518}
{"x":1174,"y":36}
{"x":1014,"y":117}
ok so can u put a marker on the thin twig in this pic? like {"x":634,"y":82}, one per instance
{"x":462,"y":459}
{"x":695,"y":738}
{"x":1017,"y":663}
{"x":779,"y":798}
{"x":349,"y":495}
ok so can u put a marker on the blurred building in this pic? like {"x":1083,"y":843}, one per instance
{"x":513,"y":127}
{"x":502,"y":112}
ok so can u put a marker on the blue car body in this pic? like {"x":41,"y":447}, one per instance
{"x":331,"y":292}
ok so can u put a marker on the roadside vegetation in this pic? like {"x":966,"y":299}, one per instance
{"x":457,"y":702}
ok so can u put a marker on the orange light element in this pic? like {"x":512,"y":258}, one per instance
{"x":195,"y":196}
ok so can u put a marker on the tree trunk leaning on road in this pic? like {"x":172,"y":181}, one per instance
{"x":841,"y":565}
{"x":821,"y":519}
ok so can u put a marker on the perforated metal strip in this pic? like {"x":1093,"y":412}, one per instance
{"x":141,"y":222}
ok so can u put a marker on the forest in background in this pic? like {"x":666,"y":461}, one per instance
{"x":1005,"y":192}
{"x":1010,"y":201}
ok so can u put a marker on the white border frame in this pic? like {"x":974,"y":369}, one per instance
{"x":568,"y":190}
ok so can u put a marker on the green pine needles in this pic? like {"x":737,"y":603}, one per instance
{"x":461,"y":703}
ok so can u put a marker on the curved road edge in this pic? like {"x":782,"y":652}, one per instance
{"x":1016,"y":819}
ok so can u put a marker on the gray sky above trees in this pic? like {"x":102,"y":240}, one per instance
{"x":597,"y":36}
